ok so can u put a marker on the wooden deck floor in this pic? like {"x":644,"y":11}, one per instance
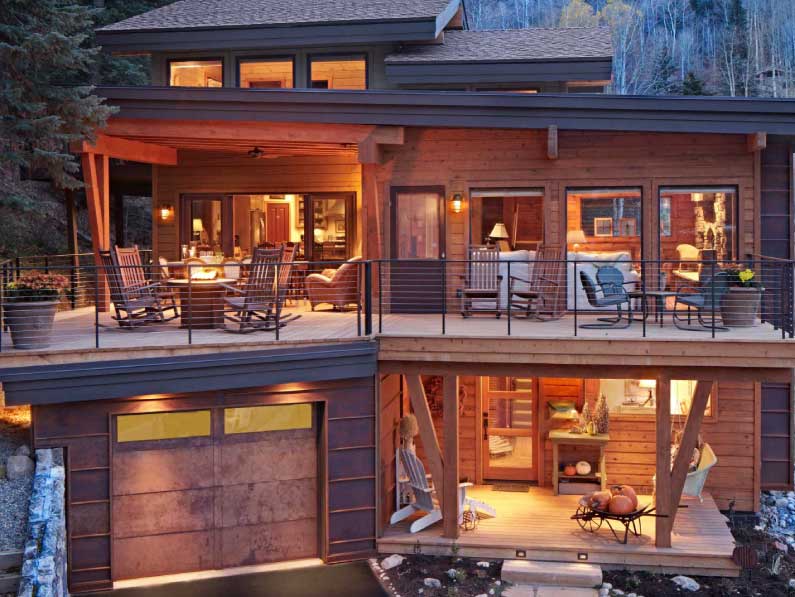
{"x":539,"y":524}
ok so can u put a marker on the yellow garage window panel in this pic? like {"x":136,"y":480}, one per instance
{"x":254,"y":419}
{"x":155,"y":426}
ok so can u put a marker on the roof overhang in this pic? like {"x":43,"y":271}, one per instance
{"x":53,"y":384}
{"x":498,"y":72}
{"x":121,"y":41}
{"x":458,"y":109}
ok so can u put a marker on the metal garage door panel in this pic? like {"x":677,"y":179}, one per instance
{"x":279,"y":501}
{"x":183,"y":466}
{"x":165,"y":512}
{"x":269,"y":456}
{"x":154,"y":555}
{"x":272,"y":542}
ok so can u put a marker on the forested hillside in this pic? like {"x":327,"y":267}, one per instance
{"x":719,"y":47}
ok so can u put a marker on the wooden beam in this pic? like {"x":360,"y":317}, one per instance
{"x":430,"y":443}
{"x":552,"y":142}
{"x":94,"y":202}
{"x":248,"y":132}
{"x":372,"y":234}
{"x":103,"y":184}
{"x":369,"y":151}
{"x":663,"y":502}
{"x":757,"y":141}
{"x":389,"y":135}
{"x":687,"y":444}
{"x":450,"y":414}
{"x":126,"y":149}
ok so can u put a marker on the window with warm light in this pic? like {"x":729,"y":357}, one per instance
{"x":256,"y":419}
{"x":160,"y":426}
{"x":196,"y":73}
{"x":604,"y":223}
{"x":520,"y":211}
{"x":639,"y":396}
{"x":338,"y":72}
{"x":265,"y":73}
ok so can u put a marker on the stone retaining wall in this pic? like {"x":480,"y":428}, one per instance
{"x":44,"y":560}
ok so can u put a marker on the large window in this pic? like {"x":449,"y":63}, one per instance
{"x":265,"y":73}
{"x":256,"y":419}
{"x":520,"y":210}
{"x":196,"y":73}
{"x":338,"y":72}
{"x":639,"y":396}
{"x":697,"y":224}
{"x":604,"y":222}
{"x":159,"y":426}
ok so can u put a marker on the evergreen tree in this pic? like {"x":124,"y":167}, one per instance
{"x":46,"y":99}
{"x":692,"y":85}
{"x":665,"y":82}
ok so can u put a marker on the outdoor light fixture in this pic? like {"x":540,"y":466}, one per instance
{"x":697,"y":197}
{"x":521,"y":553}
{"x":166,"y":213}
{"x":457,"y":203}
{"x":576,"y":238}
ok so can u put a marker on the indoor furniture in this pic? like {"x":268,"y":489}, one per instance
{"x":339,"y":289}
{"x":590,"y":262}
{"x":560,"y":437}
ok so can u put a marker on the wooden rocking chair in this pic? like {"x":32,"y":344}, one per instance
{"x":136,"y":300}
{"x":540,"y":296}
{"x":424,"y":500}
{"x":482,"y":283}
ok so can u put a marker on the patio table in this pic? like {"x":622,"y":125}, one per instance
{"x":659,"y":296}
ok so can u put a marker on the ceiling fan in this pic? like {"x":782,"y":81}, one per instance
{"x":258,"y":153}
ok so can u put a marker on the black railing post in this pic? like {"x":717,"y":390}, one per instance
{"x":46,"y":264}
{"x":574,"y":282}
{"x":96,"y":306}
{"x":2,"y":310}
{"x":278,"y":301}
{"x":190,"y":304}
{"x":368,"y":298}
{"x":380,"y":297}
{"x":509,"y":304}
{"x":643,"y":298}
{"x":712,"y":291}
{"x":444,"y":296}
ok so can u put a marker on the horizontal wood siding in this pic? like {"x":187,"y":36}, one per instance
{"x":481,"y":158}
{"x":84,"y":430}
{"x":209,"y":172}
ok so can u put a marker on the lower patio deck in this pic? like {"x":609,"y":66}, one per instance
{"x":539,"y":524}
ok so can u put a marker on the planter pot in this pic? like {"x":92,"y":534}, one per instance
{"x":739,"y":306}
{"x":30,"y":323}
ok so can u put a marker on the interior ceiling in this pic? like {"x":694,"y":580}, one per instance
{"x":269,"y":149}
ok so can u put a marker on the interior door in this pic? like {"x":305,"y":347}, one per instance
{"x":418,"y":240}
{"x":509,"y":428}
{"x":277,"y":223}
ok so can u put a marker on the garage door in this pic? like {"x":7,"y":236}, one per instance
{"x":214,"y":488}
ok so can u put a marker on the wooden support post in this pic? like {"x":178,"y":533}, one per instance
{"x":756,"y":141}
{"x":552,"y":142}
{"x":372,"y":236}
{"x":430,"y":443}
{"x":450,"y":413}
{"x":96,"y":177}
{"x":663,"y":483}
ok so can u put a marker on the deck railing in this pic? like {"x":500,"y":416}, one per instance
{"x":318,"y":300}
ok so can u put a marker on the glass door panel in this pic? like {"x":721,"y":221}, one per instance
{"x":509,"y":423}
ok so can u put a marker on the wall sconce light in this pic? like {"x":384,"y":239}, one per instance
{"x":457,"y":203}
{"x":166,"y":213}
{"x":697,"y":197}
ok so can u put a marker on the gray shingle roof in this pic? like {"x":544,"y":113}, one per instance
{"x":510,"y":45}
{"x":191,"y":14}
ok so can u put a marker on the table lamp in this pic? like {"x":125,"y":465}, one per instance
{"x":648,"y":384}
{"x":197,"y":228}
{"x":500,"y":234}
{"x":576,"y":238}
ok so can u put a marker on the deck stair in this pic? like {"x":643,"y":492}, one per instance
{"x":536,"y":579}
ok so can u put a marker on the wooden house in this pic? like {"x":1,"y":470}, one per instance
{"x":391,"y":132}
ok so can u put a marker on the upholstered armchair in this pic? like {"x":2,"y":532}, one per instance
{"x":338,"y":289}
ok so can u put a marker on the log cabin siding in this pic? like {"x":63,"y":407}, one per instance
{"x":225,"y":173}
{"x":482,"y":158}
{"x":346,"y":449}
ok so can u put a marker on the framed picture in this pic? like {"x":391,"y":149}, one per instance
{"x":603,"y":226}
{"x":301,"y":212}
{"x":340,"y":225}
{"x":627,"y":227}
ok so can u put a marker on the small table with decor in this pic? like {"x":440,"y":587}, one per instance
{"x":564,"y":436}
{"x":202,"y":302}
{"x":659,"y":296}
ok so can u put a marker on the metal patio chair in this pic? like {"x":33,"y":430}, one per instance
{"x":609,"y":293}
{"x":705,"y":301}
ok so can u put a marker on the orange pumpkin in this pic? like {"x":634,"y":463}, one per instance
{"x":600,"y":499}
{"x":570,"y":470}
{"x":627,"y":491}
{"x":620,"y":504}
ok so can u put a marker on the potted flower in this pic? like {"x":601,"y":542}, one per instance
{"x":29,"y":306}
{"x":740,"y":304}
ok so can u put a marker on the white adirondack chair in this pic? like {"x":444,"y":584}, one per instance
{"x":424,"y":500}
{"x":695,"y":480}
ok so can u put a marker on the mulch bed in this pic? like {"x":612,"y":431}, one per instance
{"x":14,"y":495}
{"x":769,"y":578}
{"x":408,"y":578}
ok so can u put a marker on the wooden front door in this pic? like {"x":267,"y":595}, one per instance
{"x":416,"y":276}
{"x":510,"y":428}
{"x":277,"y":223}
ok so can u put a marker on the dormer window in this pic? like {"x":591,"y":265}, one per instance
{"x":265,"y":73}
{"x":338,"y":72}
{"x":196,"y":73}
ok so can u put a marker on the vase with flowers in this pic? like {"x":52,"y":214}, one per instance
{"x":29,"y":305}
{"x":739,"y":306}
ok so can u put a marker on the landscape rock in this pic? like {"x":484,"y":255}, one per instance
{"x":18,"y":467}
{"x":686,"y":583}
{"x":607,"y":586}
{"x":22,"y":450}
{"x":604,"y":592}
{"x":392,"y":561}
{"x":484,"y":564}
{"x":432,"y":583}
